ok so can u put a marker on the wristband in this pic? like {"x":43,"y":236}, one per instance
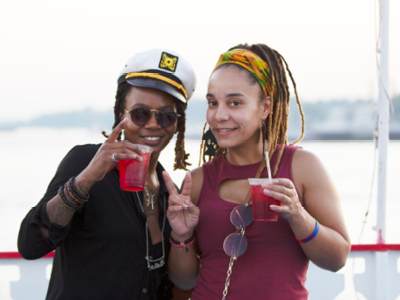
{"x":313,"y":235}
{"x":184,"y":244}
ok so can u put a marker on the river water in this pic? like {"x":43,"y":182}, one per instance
{"x":29,"y":158}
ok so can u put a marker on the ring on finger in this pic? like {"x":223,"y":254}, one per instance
{"x":113,"y":158}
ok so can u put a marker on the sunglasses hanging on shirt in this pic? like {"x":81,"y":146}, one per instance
{"x":235,"y":244}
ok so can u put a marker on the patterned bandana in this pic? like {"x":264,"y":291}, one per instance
{"x":252,"y":63}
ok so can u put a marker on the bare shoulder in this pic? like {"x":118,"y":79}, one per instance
{"x":304,"y":157}
{"x":310,"y":176}
{"x":312,"y":179}
{"x":307,"y":166}
{"x":197,"y":183}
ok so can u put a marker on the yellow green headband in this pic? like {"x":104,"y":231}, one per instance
{"x":255,"y":65}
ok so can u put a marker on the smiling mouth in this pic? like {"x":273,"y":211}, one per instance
{"x":225,"y":129}
{"x":152,"y":138}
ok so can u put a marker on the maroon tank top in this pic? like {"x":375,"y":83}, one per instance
{"x":274,"y":265}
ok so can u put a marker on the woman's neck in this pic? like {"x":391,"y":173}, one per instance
{"x":151,"y":179}
{"x":248,"y":154}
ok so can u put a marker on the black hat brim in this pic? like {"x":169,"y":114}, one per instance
{"x":158,"y":85}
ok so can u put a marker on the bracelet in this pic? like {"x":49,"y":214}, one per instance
{"x":71,"y":195}
{"x":64,"y":200}
{"x":74,"y":192}
{"x":184,"y":244}
{"x":313,"y":235}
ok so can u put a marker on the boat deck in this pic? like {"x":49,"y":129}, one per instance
{"x":373,"y":271}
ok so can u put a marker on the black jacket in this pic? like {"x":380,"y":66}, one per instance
{"x":101,"y":253}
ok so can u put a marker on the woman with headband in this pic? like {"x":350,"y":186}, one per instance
{"x":248,"y":110}
{"x":111,"y":243}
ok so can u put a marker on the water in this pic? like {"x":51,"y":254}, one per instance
{"x":29,"y":158}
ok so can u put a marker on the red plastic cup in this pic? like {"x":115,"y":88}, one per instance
{"x":261,"y":202}
{"x":133,"y":173}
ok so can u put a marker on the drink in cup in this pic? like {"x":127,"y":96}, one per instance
{"x":133,"y":173}
{"x":261,"y":202}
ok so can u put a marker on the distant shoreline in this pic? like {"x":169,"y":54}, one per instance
{"x":331,"y":120}
{"x":309,"y":136}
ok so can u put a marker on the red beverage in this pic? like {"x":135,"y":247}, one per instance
{"x":133,"y":173}
{"x":261,"y":203}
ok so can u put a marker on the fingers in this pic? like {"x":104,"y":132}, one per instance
{"x":115,"y":157}
{"x":280,"y":181}
{"x":280,"y":196}
{"x":187,"y":185}
{"x":169,"y":184}
{"x":175,"y":208}
{"x":279,"y":209}
{"x":116,"y":131}
{"x":283,"y":190}
{"x":122,"y":150}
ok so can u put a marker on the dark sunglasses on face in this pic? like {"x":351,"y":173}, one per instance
{"x":141,"y":116}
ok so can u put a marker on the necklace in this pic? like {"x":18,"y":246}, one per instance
{"x":150,"y":197}
{"x":153,"y":264}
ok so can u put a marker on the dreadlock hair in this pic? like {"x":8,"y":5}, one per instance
{"x":278,"y":118}
{"x":181,"y":156}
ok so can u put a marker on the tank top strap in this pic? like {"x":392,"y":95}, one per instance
{"x":285,"y":165}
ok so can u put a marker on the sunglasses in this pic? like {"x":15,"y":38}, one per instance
{"x":141,"y":116}
{"x":235,"y":244}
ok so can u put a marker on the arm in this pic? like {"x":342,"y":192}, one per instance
{"x":46,"y":225}
{"x":184,"y":266}
{"x":331,"y":246}
{"x":38,"y":235}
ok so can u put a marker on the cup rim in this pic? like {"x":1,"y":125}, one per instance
{"x":259,"y":181}
{"x":145,"y":147}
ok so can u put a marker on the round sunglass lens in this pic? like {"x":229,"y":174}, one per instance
{"x":235,"y":244}
{"x":140,"y":116}
{"x":242,"y":216}
{"x":166,"y":119}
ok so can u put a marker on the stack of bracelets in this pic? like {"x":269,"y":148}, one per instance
{"x":184,"y":244}
{"x":74,"y":201}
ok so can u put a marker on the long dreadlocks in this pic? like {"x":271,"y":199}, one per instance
{"x":278,"y":118}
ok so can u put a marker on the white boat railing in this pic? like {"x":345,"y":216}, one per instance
{"x":371,"y":271}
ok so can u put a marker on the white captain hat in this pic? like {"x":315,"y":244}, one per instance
{"x":163,"y":70}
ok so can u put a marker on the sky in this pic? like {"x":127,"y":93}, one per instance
{"x":66,"y":56}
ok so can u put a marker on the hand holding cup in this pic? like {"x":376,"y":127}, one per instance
{"x":283,"y":190}
{"x":110,"y":151}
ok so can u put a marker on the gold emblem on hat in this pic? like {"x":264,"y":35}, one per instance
{"x":168,"y":62}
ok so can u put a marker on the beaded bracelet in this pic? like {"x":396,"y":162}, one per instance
{"x":71,"y":195}
{"x":75,"y":202}
{"x":184,"y":244}
{"x":313,"y":235}
{"x":64,"y":200}
{"x":74,"y":192}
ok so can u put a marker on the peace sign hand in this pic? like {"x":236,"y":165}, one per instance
{"x":111,"y":150}
{"x":182,"y":214}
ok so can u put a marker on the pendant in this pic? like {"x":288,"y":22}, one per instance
{"x":150,"y":201}
{"x":150,"y":198}
{"x":157,"y":265}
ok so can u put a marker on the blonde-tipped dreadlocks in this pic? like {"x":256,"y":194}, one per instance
{"x":278,"y":118}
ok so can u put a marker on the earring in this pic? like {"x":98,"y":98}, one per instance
{"x":211,"y":142}
{"x":263,"y":136}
